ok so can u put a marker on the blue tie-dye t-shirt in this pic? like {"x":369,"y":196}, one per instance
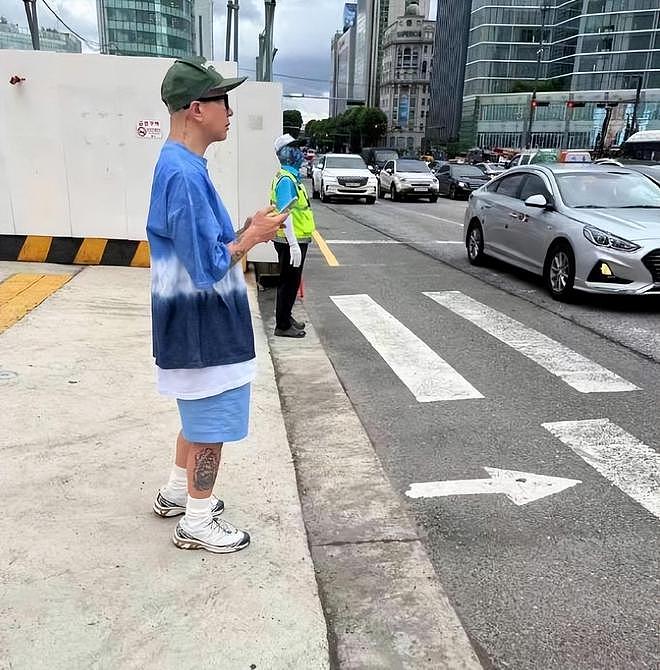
{"x":199,"y":303}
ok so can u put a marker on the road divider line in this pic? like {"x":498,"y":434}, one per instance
{"x":576,"y":370}
{"x":330,"y":258}
{"x":21,"y":293}
{"x":357,"y":242}
{"x":429,"y":377}
{"x":617,"y":455}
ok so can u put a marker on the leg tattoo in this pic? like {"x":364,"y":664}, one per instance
{"x":206,"y":468}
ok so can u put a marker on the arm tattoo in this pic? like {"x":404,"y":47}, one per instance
{"x":207,"y":462}
{"x":236,"y":257}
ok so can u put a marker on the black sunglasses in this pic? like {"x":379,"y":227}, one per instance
{"x":216,"y":98}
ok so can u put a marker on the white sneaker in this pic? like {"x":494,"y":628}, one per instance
{"x":166,"y":507}
{"x":217,"y":536}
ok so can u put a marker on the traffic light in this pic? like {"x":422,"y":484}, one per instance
{"x":540,"y":103}
{"x":575,"y":103}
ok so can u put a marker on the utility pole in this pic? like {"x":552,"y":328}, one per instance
{"x":266,"y":51}
{"x":232,"y":21}
{"x":539,"y":55}
{"x":33,"y":22}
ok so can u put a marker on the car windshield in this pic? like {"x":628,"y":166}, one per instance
{"x":352,"y":162}
{"x":608,"y":190}
{"x":412,"y":166}
{"x":466,"y":171}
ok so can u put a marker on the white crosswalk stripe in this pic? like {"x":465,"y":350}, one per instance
{"x":429,"y":377}
{"x":617,"y":455}
{"x":576,"y":370}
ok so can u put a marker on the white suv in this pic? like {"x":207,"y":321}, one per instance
{"x":407,"y":177}
{"x":343,"y":176}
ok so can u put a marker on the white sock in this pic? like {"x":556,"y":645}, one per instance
{"x":176,"y":488}
{"x":198,"y":513}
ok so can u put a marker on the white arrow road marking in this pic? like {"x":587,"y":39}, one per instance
{"x":576,"y":370}
{"x":429,"y":377}
{"x":519,"y":487}
{"x":617,"y":455}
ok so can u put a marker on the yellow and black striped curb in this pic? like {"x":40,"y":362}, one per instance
{"x":74,"y":250}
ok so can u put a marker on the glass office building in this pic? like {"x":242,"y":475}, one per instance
{"x":164,"y":28}
{"x":592,"y":51}
{"x":588,"y":45}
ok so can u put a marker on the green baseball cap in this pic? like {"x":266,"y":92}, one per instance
{"x":189,"y":80}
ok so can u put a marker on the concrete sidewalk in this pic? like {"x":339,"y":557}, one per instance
{"x":90,"y":578}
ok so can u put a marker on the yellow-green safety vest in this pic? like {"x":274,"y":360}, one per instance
{"x":301,"y":213}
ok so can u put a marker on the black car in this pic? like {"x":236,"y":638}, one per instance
{"x":460,"y":179}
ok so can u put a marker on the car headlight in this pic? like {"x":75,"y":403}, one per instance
{"x":329,"y":179}
{"x":434,"y":180}
{"x":403,"y":180}
{"x":602,"y":238}
{"x":462,"y":184}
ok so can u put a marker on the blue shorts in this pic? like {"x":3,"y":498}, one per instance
{"x":220,"y":418}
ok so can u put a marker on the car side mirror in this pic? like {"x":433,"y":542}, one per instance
{"x":537,"y":201}
{"x":389,"y":171}
{"x":370,"y":167}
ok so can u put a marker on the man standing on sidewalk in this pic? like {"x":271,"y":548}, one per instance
{"x":292,"y":242}
{"x":202,"y":331}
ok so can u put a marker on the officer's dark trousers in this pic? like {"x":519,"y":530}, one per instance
{"x":289,"y":283}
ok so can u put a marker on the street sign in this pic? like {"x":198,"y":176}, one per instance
{"x":519,"y":487}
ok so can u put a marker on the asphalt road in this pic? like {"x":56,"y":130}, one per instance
{"x":570,"y":580}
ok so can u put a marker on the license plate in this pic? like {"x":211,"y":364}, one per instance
{"x":421,"y":189}
{"x":352,"y":183}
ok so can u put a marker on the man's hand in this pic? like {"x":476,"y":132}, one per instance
{"x":262,"y":227}
{"x":296,"y":255}
{"x":265,"y":224}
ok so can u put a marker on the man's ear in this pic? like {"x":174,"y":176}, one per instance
{"x":195,"y":110}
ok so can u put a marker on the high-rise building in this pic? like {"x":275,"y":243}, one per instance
{"x":343,"y":71}
{"x":405,"y":76}
{"x":589,"y":45}
{"x":592,"y":51}
{"x":168,"y":28}
{"x":448,"y":71}
{"x":13,"y":37}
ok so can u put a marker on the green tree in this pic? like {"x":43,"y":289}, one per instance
{"x":292,"y":122}
{"x":355,"y":128}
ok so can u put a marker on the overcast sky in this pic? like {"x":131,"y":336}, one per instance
{"x":303,"y":30}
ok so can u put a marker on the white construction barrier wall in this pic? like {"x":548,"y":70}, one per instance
{"x":79,"y":139}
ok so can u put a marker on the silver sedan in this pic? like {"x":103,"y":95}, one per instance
{"x":593,"y":228}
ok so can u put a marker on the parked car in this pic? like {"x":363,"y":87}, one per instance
{"x":587,"y":227}
{"x":491,"y":169}
{"x":459,"y":179}
{"x":343,"y":176}
{"x":376,"y":157}
{"x":407,"y":177}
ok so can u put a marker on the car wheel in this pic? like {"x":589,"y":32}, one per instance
{"x":433,"y":198}
{"x":474,"y":241}
{"x":324,"y":197}
{"x":452,"y":192}
{"x":559,"y":271}
{"x":371,"y":200}
{"x":393,"y":194}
